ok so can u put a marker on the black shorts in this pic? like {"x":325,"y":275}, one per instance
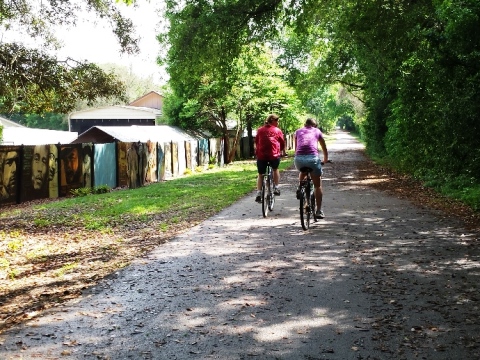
{"x":262,"y":165}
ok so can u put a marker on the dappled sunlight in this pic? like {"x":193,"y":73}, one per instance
{"x":375,"y":274}
{"x":294,"y":326}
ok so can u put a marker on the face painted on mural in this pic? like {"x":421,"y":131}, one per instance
{"x":39,"y":166}
{"x":71,"y":163}
{"x":9,"y":169}
{"x":52,"y":167}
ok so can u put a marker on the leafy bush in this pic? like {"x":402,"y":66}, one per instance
{"x":102,"y":189}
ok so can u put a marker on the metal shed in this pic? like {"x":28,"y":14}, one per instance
{"x":81,"y":121}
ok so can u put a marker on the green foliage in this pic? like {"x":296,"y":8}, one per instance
{"x":206,"y":193}
{"x":50,"y":121}
{"x":102,"y":189}
{"x":34,"y":81}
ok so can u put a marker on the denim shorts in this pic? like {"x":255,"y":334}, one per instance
{"x":311,"y":161}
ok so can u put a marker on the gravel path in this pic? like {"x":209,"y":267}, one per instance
{"x":378,"y":278}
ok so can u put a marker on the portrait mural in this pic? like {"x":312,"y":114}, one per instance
{"x":133,"y":178}
{"x":151,"y":161}
{"x":122,"y":163}
{"x":87,"y":165}
{"x":71,"y":159}
{"x":36,"y":164}
{"x":142,"y":163}
{"x":9,"y":174}
{"x":53,"y":172}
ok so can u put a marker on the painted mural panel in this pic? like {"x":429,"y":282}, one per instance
{"x":151,"y":162}
{"x":188,"y":154}
{"x":53,"y":172}
{"x":9,"y":174}
{"x":122,"y":163}
{"x":161,"y":161}
{"x":87,"y":165}
{"x":175,"y":166}
{"x":104,"y":165}
{"x":203,"y":157}
{"x":168,"y":159}
{"x":181,"y":158}
{"x":133,"y":180}
{"x":71,"y":158}
{"x":194,"y":152}
{"x":35,"y":172}
{"x":142,"y":163}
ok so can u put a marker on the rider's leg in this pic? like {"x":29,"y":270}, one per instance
{"x":276,"y":176}
{"x":259,"y":182}
{"x":317,"y":184}
{"x":261,"y":168}
{"x":301,"y":176}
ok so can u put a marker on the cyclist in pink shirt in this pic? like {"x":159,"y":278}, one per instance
{"x":269,"y":144}
{"x":306,"y":155}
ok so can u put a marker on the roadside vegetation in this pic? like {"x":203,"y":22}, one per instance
{"x":53,"y":250}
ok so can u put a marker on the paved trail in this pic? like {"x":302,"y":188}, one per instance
{"x":373,"y":280}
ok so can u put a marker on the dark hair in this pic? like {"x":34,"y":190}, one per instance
{"x":310,"y":122}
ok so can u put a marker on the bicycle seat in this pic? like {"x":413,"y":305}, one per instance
{"x":305,"y":169}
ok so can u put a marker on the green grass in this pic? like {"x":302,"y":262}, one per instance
{"x":207,"y":192}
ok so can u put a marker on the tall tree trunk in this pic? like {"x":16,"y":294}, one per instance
{"x":250,"y":136}
{"x":233,"y":150}
{"x":226,"y":142}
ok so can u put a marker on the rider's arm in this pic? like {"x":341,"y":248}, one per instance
{"x":324,"y":149}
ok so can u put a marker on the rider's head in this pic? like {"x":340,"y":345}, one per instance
{"x":272,"y":119}
{"x":310,"y":122}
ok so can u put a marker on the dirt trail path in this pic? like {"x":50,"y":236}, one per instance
{"x":378,"y":278}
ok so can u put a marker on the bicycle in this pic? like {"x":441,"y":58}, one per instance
{"x":268,"y":195}
{"x":307,"y":198}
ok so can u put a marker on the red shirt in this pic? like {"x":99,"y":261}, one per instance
{"x":269,"y":142}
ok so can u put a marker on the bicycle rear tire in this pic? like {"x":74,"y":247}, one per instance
{"x":271,"y":194}
{"x":304,"y":211}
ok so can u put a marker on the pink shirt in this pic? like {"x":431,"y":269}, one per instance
{"x":307,"y":140}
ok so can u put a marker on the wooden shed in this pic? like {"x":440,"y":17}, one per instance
{"x":152,"y":100}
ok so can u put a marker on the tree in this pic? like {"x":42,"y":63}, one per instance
{"x":32,"y":80}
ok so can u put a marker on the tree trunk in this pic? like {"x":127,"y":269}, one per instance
{"x":250,"y":136}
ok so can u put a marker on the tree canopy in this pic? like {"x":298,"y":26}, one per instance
{"x":33,"y":80}
{"x":414,"y":65}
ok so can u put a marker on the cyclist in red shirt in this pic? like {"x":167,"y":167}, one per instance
{"x":269,"y":143}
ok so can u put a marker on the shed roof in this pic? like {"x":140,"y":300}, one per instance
{"x":149,"y":94}
{"x":159,"y":133}
{"x":9,"y":123}
{"x":117,"y":112}
{"x":30,"y":136}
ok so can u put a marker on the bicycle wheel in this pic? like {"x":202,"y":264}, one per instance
{"x":271,"y":195}
{"x":304,"y":210}
{"x":265,"y":197}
